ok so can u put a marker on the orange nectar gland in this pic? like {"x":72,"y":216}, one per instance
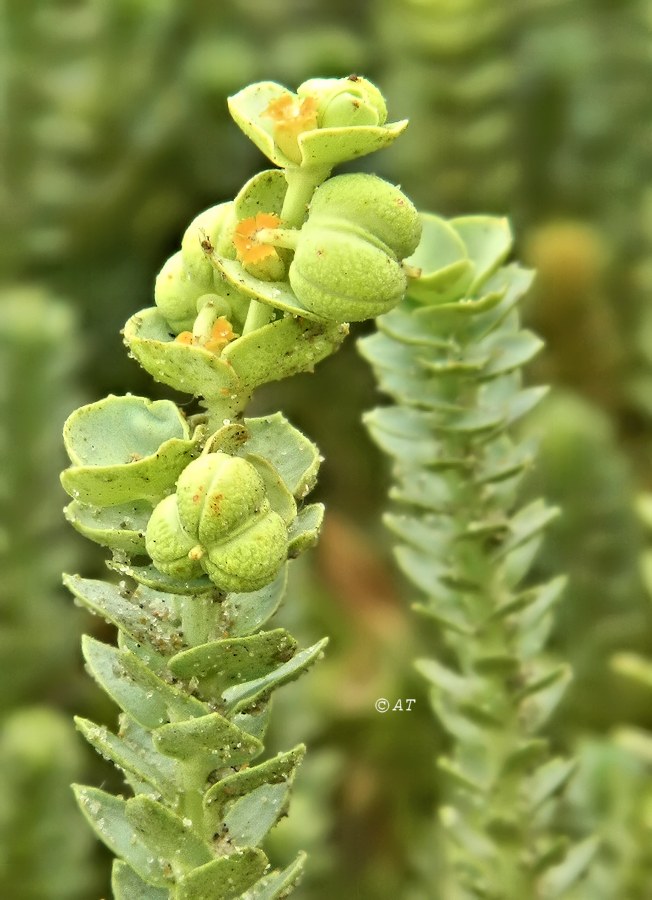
{"x":291,"y":117}
{"x":221,"y":334}
{"x":245,"y":239}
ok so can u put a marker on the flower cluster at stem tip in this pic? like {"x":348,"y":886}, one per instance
{"x":300,"y":242}
{"x":262,"y":287}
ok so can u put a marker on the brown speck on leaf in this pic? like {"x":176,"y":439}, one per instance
{"x":354,"y":78}
{"x":205,"y":242}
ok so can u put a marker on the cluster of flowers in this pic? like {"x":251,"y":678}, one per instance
{"x":262,"y":287}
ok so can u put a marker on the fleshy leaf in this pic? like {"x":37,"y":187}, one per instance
{"x":133,"y":614}
{"x":122,"y":528}
{"x":125,"y":449}
{"x":304,"y":531}
{"x":538,"y":707}
{"x":210,"y":738}
{"x":245,"y":613}
{"x":142,"y":761}
{"x":234,"y":659}
{"x":548,"y":779}
{"x":168,"y":837}
{"x":107,"y":816}
{"x":278,"y":770}
{"x":226,"y":878}
{"x":561,"y":878}
{"x":136,"y":689}
{"x":488,"y":241}
{"x":250,"y":818}
{"x":277,"y":884}
{"x":127,"y":885}
{"x":149,"y":576}
{"x":443,"y":262}
{"x":248,"y":694}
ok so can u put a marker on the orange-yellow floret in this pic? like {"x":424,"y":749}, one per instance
{"x":221,"y":334}
{"x":245,"y":241}
{"x":289,"y":110}
{"x":291,"y":117}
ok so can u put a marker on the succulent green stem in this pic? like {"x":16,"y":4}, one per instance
{"x":279,"y":237}
{"x":259,"y":314}
{"x":205,"y":320}
{"x":302,"y":183}
{"x":198,"y":618}
{"x":192,"y":798}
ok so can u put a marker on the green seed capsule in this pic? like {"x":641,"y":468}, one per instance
{"x":347,"y":265}
{"x":375,"y":209}
{"x":205,"y":232}
{"x":168,"y":544}
{"x":345,"y":102}
{"x":218,"y":494}
{"x":252,"y":559}
{"x":176,"y":294}
{"x":219,"y":521}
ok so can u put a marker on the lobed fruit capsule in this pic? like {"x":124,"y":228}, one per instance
{"x":220,"y":522}
{"x":347,"y":264}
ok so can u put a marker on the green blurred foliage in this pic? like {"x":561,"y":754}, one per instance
{"x":37,"y":354}
{"x":115,"y":134}
{"x":45,"y":850}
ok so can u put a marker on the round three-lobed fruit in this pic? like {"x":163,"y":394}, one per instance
{"x":347,"y":264}
{"x":219,"y":522}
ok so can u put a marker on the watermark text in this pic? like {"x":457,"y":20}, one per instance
{"x":384,"y":705}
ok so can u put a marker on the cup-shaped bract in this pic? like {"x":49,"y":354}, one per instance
{"x":327,"y":122}
{"x":124,"y":449}
{"x":219,"y":521}
{"x":259,"y":205}
{"x":347,"y":265}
